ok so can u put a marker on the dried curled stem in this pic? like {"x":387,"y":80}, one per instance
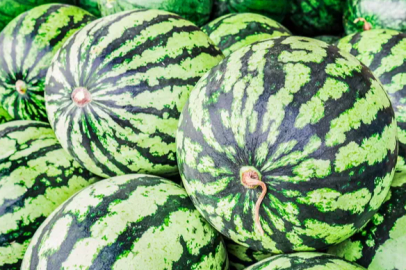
{"x":367,"y":25}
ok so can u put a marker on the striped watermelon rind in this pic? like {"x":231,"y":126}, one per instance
{"x":234,"y":31}
{"x":241,"y":257}
{"x":27,"y":46}
{"x":4,"y":116}
{"x":36,"y":176}
{"x":307,"y":118}
{"x":137,"y":78}
{"x":99,"y":228}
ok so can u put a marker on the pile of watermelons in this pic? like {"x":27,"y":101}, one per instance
{"x":203,"y":134}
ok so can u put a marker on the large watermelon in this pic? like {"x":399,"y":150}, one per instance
{"x":196,"y":11}
{"x":317,"y":17}
{"x":234,"y":31}
{"x":127,"y":222}
{"x":27,"y":46}
{"x":241,"y":257}
{"x":298,"y":125}
{"x":4,"y":116}
{"x":362,"y":15}
{"x":305,"y":261}
{"x":36,"y":176}
{"x":275,"y":9}
{"x":381,"y":245}
{"x":116,"y":89}
{"x":384,"y":52}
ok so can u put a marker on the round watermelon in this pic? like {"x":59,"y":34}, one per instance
{"x":241,"y":257}
{"x":4,"y":116}
{"x":364,"y":15}
{"x":114,"y":97}
{"x":90,"y":5}
{"x":275,"y":9}
{"x":305,"y":261}
{"x":328,"y":39}
{"x":322,"y":17}
{"x":288,"y":145}
{"x":196,"y":11}
{"x":99,"y":228}
{"x":36,"y":176}
{"x":384,"y":52}
{"x":27,"y":46}
{"x":234,"y":31}
{"x":381,"y":245}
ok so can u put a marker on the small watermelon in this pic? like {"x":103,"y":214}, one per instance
{"x":305,"y":261}
{"x":288,"y":145}
{"x":381,"y":245}
{"x":275,"y":9}
{"x":90,"y":5}
{"x":27,"y":46}
{"x":384,"y":52}
{"x":4,"y":116}
{"x":241,"y":257}
{"x":36,"y":176}
{"x":196,"y":11}
{"x":114,"y":97}
{"x":328,"y":39}
{"x":321,"y":17}
{"x":364,"y":15}
{"x":99,"y":228}
{"x":234,"y":31}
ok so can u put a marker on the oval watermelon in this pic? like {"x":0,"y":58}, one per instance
{"x":4,"y":116}
{"x":305,"y":261}
{"x":384,"y":52}
{"x":27,"y":46}
{"x":234,"y":31}
{"x":381,"y":245}
{"x":114,"y":97}
{"x":363,"y":15}
{"x":36,"y":176}
{"x":196,"y":11}
{"x":241,"y":257}
{"x":288,"y":145}
{"x":99,"y":228}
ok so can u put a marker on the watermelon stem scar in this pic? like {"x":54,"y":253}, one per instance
{"x":81,"y":96}
{"x":21,"y":87}
{"x":251,"y":178}
{"x":367,"y":25}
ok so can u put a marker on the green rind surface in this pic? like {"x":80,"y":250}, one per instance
{"x":384,"y":52}
{"x":381,"y":14}
{"x":381,"y":245}
{"x":196,"y":11}
{"x":36,"y":176}
{"x":305,"y":261}
{"x":328,"y":39}
{"x":241,"y":257}
{"x":312,"y":120}
{"x":4,"y":116}
{"x":27,"y":46}
{"x":139,"y":67}
{"x":234,"y":31}
{"x":99,"y":228}
{"x":90,"y":5}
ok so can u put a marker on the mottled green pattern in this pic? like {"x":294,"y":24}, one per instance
{"x":381,"y":14}
{"x":90,"y":5}
{"x":234,"y":31}
{"x":4,"y":116}
{"x":312,"y":120}
{"x":241,"y":257}
{"x":381,"y":245}
{"x":384,"y":52}
{"x":328,"y":39}
{"x":196,"y":11}
{"x":317,"y":17}
{"x":139,"y":67}
{"x":127,"y":222}
{"x":36,"y":176}
{"x":305,"y":261}
{"x":275,"y":9}
{"x":27,"y":46}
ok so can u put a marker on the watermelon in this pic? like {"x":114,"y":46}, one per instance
{"x":384,"y":52}
{"x":90,"y":5}
{"x":4,"y":116}
{"x":322,"y":17}
{"x":241,"y":257}
{"x":275,"y":9}
{"x":381,"y":245}
{"x":196,"y":11}
{"x":305,"y":261}
{"x":99,"y":228}
{"x":288,"y":145}
{"x":36,"y":176}
{"x":234,"y":31}
{"x":27,"y":46}
{"x":363,"y":15}
{"x":114,"y":97}
{"x":328,"y":39}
